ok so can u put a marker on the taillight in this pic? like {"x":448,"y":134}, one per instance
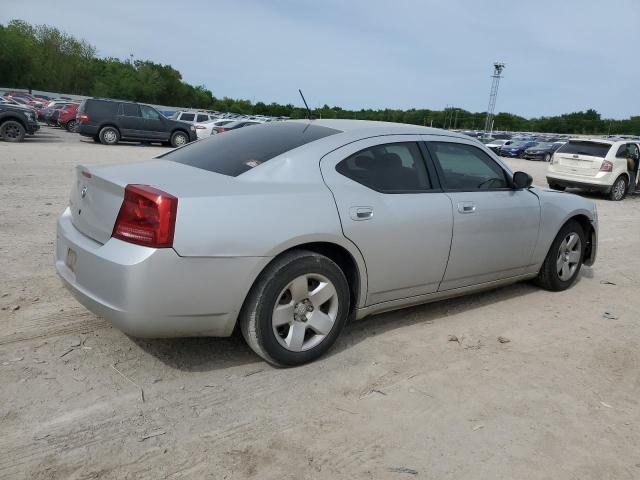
{"x":200,"y":127}
{"x":147,"y":217}
{"x":84,"y":118}
{"x":606,"y":166}
{"x":220,"y":129}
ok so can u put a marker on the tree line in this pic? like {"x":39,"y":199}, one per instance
{"x":44,"y":58}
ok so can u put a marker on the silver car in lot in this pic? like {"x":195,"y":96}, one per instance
{"x":288,"y":229}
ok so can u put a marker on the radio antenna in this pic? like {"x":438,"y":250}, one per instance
{"x":309,"y":116}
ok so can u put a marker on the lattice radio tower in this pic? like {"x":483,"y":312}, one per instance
{"x":498,"y":67}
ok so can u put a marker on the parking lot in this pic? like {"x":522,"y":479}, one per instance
{"x":426,"y":392}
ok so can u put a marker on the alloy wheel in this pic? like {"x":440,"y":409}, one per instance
{"x":618,"y":189}
{"x":305,"y":312}
{"x":110,"y":136}
{"x":569,"y":255}
{"x":11,"y":131}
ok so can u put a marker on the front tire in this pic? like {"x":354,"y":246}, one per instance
{"x":564,"y":259}
{"x":296,"y":309}
{"x":178,"y":139}
{"x":619,"y":189}
{"x":109,"y":136}
{"x":12,"y":131}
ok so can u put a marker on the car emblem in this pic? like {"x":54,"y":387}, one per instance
{"x":83,"y":192}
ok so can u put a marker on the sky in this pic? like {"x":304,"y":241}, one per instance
{"x":561,"y":55}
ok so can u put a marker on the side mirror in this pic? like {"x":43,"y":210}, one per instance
{"x":522,"y":180}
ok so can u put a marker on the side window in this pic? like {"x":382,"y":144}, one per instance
{"x":388,"y":168}
{"x":466,"y":167}
{"x":187,"y":117}
{"x":148,"y":112}
{"x":130,"y":110}
{"x":202,"y":118}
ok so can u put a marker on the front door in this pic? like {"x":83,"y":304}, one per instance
{"x":154,"y":124}
{"x":495,"y":227}
{"x":391,"y":208}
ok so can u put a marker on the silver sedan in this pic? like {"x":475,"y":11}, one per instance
{"x":288,"y":229}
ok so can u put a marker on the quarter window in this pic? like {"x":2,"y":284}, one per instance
{"x":465,"y":167}
{"x":202,"y":118}
{"x":388,"y":168}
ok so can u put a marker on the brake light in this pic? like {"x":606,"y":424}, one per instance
{"x":607,"y":166}
{"x":220,"y":129}
{"x":84,"y":118}
{"x":200,"y":127}
{"x":147,"y":217}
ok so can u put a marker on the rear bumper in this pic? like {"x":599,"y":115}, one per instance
{"x":88,"y":130}
{"x":147,"y":292}
{"x":596,"y":185}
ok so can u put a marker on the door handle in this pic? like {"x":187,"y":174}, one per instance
{"x":361,"y":213}
{"x":466,"y":207}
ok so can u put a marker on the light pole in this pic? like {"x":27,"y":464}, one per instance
{"x":498,"y":67}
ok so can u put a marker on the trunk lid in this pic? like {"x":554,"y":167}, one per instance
{"x":581,"y":157}
{"x":97,"y":192}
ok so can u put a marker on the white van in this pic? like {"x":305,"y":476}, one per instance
{"x":597,"y":164}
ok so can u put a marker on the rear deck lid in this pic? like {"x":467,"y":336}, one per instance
{"x":97,"y":192}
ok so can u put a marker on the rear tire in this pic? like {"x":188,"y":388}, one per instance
{"x":109,"y":135}
{"x":71,"y":125}
{"x":547,"y":157}
{"x":564,"y":259}
{"x":179,"y":138}
{"x":296,"y":309}
{"x":12,"y":131}
{"x":619,"y":189}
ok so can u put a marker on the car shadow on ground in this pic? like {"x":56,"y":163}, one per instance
{"x":209,"y":354}
{"x":124,"y":143}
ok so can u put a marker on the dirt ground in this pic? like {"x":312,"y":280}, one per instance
{"x":393,"y":399}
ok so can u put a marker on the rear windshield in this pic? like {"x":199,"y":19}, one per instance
{"x":237,"y":151}
{"x":578,"y":147}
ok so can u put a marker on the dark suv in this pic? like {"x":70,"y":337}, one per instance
{"x":109,"y":121}
{"x":16,"y":121}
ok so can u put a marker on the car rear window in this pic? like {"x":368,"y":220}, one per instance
{"x":235,"y":152}
{"x":187,"y":117}
{"x":580,"y":147}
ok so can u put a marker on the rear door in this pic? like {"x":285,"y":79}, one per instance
{"x":392,"y":209}
{"x":495,"y":228}
{"x":581,"y":157}
{"x":130,"y":121}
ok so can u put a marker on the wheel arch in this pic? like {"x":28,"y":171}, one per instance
{"x":350,"y":262}
{"x":15,"y":118}
{"x":109,"y":124}
{"x":590,"y":233}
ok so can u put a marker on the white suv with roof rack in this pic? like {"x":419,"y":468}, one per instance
{"x":598,"y":164}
